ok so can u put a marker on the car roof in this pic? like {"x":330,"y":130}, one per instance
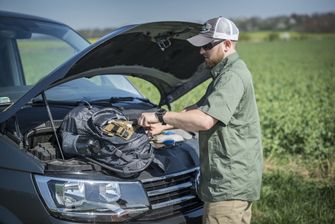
{"x":25,"y":16}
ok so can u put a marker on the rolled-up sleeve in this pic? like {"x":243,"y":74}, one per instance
{"x":224,"y":98}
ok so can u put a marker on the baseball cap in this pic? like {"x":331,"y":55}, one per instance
{"x":219,"y":28}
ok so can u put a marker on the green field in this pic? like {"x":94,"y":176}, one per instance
{"x":295,"y":90}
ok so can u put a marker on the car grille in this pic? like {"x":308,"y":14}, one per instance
{"x":172,"y":194}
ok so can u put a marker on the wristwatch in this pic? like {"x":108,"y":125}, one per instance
{"x":160,"y":114}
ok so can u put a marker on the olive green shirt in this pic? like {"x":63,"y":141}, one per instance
{"x":231,"y":157}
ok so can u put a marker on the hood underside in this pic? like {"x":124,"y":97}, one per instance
{"x":156,"y":52}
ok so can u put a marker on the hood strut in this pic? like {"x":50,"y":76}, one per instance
{"x":52,"y":123}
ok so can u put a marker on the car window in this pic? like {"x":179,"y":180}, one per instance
{"x":41,"y":54}
{"x":29,"y":50}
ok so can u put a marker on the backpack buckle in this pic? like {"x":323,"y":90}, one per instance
{"x":118,"y":128}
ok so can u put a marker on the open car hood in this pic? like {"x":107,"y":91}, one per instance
{"x":157,"y":52}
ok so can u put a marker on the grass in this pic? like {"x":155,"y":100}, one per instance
{"x":294,"y":84}
{"x":290,"y":198}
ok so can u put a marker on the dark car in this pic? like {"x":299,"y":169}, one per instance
{"x":47,"y":70}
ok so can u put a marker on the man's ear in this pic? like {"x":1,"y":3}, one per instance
{"x":228,"y":44}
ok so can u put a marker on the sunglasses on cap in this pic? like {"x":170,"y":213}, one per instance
{"x":211,"y":45}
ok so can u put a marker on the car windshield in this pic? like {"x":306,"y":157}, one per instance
{"x":101,"y":87}
{"x":29,"y":50}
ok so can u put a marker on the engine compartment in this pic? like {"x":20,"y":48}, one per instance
{"x":32,"y":130}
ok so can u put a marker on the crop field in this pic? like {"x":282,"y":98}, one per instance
{"x":295,"y":91}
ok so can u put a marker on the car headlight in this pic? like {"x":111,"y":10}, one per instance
{"x":92,"y":200}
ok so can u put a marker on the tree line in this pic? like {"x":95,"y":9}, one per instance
{"x":314,"y":23}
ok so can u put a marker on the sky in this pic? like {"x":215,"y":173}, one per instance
{"x":88,"y":14}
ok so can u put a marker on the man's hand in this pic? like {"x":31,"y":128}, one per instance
{"x":190,"y":120}
{"x":156,"y":129}
{"x":152,"y":124}
{"x":147,"y":119}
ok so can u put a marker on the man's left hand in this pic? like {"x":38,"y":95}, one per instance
{"x":146,"y":119}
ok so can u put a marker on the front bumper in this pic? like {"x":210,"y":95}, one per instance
{"x":192,"y":217}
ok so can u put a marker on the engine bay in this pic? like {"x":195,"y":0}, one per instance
{"x":33,"y":131}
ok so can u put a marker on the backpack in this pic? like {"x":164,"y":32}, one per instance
{"x":104,"y":135}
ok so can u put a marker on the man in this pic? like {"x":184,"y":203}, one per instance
{"x":228,"y":124}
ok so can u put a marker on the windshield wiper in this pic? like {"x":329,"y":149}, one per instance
{"x":123,"y":99}
{"x":112,"y":100}
{"x":38,"y":101}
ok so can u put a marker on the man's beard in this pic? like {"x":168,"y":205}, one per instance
{"x":211,"y":62}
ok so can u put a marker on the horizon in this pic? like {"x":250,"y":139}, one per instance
{"x":237,"y":18}
{"x":102,"y":14}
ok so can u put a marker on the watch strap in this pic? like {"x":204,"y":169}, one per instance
{"x":160,"y":114}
